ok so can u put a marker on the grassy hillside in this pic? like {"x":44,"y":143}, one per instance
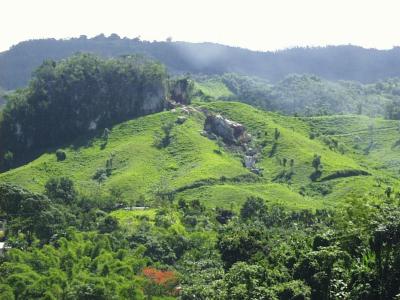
{"x":372,"y":142}
{"x":196,"y":167}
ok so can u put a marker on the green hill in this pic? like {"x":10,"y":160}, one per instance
{"x":193,"y":166}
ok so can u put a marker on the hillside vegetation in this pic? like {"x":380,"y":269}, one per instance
{"x":75,"y":97}
{"x":199,"y":168}
{"x":306,"y":95}
{"x":141,"y":186}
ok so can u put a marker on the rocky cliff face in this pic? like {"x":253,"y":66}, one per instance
{"x":181,"y":90}
{"x":154,"y":101}
{"x":231,"y":132}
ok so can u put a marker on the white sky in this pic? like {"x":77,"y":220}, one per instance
{"x":254,"y":24}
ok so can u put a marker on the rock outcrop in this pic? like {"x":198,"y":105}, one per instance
{"x":231,"y":132}
{"x":181,"y":91}
{"x":234,"y":136}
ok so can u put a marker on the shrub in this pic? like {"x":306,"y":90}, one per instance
{"x":217,"y":151}
{"x":316,"y":163}
{"x":108,"y":224}
{"x":100,"y":175}
{"x":61,"y":155}
{"x":61,"y":190}
{"x":277,"y":134}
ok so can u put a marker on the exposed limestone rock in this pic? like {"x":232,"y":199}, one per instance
{"x":154,"y":101}
{"x":231,"y":132}
{"x":181,"y":91}
{"x":251,"y":151}
{"x":234,"y":136}
{"x":249,"y":161}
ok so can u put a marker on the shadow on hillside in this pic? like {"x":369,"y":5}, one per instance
{"x":315,"y":175}
{"x":84,"y":141}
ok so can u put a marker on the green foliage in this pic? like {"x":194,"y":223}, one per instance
{"x":80,"y":266}
{"x":31,"y":214}
{"x":61,"y":190}
{"x":306,"y":95}
{"x":100,"y":175}
{"x":108,"y":224}
{"x":316,"y":163}
{"x":268,"y":252}
{"x":229,"y":233}
{"x":162,"y":140}
{"x":240,"y":243}
{"x":253,"y":208}
{"x":277,"y":134}
{"x":76,"y":96}
{"x":61,"y":155}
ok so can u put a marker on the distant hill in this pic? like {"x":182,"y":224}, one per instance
{"x":333,"y":62}
{"x":306,"y":95}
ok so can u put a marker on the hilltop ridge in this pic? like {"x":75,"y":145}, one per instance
{"x":349,"y":63}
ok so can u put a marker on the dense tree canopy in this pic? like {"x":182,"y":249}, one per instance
{"x":266,"y":252}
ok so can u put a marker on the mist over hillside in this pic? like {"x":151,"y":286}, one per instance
{"x":332,"y":62}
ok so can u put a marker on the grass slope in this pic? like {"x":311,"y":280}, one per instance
{"x":192,"y":165}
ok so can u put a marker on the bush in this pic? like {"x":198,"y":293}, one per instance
{"x":162,"y":140}
{"x":61,"y":190}
{"x":61,"y":155}
{"x":253,"y":208}
{"x":100,"y":175}
{"x":108,"y":224}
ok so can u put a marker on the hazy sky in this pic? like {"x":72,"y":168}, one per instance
{"x":254,"y":24}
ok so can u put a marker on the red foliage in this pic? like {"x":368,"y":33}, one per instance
{"x":160,"y":277}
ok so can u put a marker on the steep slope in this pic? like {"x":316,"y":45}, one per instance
{"x":192,"y":166}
